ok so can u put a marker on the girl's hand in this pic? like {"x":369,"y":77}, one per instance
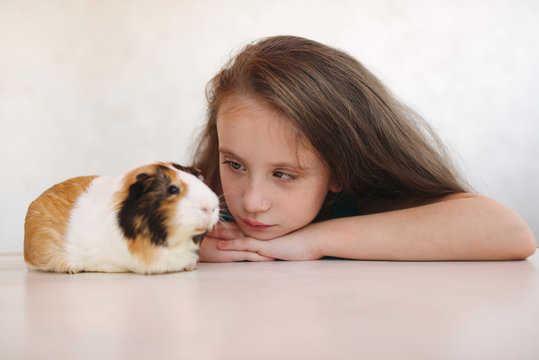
{"x":294,"y":246}
{"x":224,"y":232}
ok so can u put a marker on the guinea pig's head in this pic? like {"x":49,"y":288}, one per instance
{"x":166,"y":204}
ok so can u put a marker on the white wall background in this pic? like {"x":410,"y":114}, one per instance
{"x":96,"y":87}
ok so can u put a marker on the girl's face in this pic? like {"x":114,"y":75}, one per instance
{"x":272,"y":183}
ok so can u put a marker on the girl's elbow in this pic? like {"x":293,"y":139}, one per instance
{"x":511,"y":231}
{"x":524,"y":243}
{"x":518,"y":240}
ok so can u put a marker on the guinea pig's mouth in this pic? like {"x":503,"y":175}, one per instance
{"x":197,"y":239}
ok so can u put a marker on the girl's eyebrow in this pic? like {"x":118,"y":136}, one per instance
{"x":295,"y":166}
{"x":223,"y":150}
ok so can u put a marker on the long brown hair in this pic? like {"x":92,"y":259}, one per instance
{"x":376,"y":149}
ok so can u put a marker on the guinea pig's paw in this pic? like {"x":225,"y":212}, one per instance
{"x":153,"y":273}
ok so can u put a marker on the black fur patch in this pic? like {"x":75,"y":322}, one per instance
{"x":140,"y":212}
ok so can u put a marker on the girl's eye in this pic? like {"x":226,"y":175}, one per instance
{"x":233,"y":165}
{"x":283,"y":175}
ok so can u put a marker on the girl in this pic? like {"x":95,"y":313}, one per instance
{"x":315,"y":158}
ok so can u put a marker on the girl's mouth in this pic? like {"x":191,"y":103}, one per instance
{"x":255,"y":225}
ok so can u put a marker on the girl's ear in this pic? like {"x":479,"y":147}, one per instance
{"x":334,"y":187}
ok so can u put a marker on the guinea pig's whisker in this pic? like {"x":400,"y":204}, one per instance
{"x":224,"y":214}
{"x":222,"y":219}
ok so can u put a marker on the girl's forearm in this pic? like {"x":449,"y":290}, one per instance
{"x":461,"y":227}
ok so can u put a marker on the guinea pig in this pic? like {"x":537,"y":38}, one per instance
{"x":149,"y":220}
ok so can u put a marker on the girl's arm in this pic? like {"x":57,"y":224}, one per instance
{"x":457,"y":227}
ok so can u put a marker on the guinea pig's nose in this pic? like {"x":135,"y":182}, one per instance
{"x":207,"y":210}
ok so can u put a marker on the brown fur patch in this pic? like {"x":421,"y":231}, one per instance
{"x":143,"y":249}
{"x":169,"y":207}
{"x":131,"y":178}
{"x":139,"y":227}
{"x":46,"y":224}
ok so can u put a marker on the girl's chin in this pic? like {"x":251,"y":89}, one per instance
{"x":267,"y":234}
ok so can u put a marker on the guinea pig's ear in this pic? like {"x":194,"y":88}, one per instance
{"x":191,"y":170}
{"x":196,"y":171}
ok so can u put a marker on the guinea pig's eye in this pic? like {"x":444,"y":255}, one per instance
{"x":173,"y":190}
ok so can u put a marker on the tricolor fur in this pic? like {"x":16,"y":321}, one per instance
{"x":149,"y":220}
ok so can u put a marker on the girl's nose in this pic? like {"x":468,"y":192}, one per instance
{"x":255,"y":199}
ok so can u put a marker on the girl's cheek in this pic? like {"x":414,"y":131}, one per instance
{"x":231,"y":189}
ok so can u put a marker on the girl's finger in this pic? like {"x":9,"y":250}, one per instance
{"x":244,"y":249}
{"x":241,"y":244}
{"x":210,"y":252}
{"x":249,"y":256}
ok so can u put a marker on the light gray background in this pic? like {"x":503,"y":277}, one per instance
{"x":97,"y":87}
